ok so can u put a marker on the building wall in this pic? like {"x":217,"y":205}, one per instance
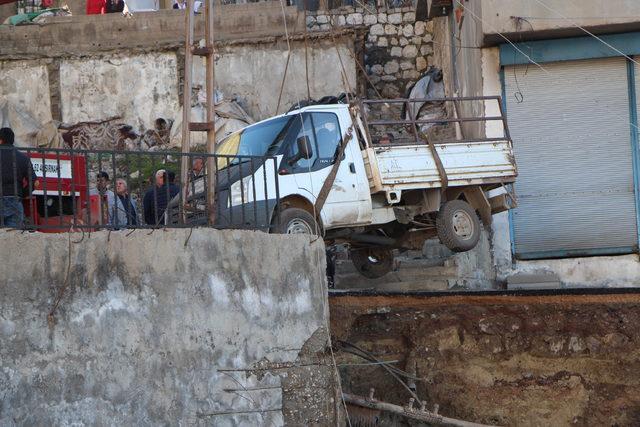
{"x":606,"y":271}
{"x":139,"y":88}
{"x":555,"y":18}
{"x":133,"y":329}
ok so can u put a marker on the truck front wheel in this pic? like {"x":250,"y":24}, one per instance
{"x":295,"y":221}
{"x":458,"y":226}
{"x":372,"y":263}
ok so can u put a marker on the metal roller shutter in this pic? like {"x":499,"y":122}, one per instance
{"x":572,"y":143}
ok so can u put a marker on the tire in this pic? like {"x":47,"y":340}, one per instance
{"x":458,"y":226}
{"x":372,"y":263}
{"x":295,"y":221}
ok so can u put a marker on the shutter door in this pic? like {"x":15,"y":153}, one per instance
{"x":571,"y":136}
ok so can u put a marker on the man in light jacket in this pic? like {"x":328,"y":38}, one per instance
{"x":126,"y":211}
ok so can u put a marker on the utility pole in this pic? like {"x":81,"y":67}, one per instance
{"x":207,"y":52}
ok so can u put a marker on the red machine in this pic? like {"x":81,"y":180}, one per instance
{"x":60,"y":192}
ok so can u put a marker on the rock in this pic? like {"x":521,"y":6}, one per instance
{"x":388,"y":78}
{"x":322,"y":19}
{"x":372,"y":38}
{"x":383,"y":42}
{"x":410,"y":51}
{"x":405,"y":65}
{"x":448,"y":339}
{"x":593,"y":344}
{"x":377,"y":69}
{"x":325,"y":27}
{"x":576,"y":344}
{"x":407,"y":30}
{"x":409,"y":17}
{"x":390,"y":90}
{"x":370,"y":19}
{"x":311,"y":20}
{"x":390,"y":30}
{"x":396,"y":51}
{"x":382,"y":18}
{"x":354,"y":19}
{"x":341,"y":20}
{"x":429,"y":27}
{"x":394,"y":18}
{"x":374,"y":79}
{"x":427,"y":38}
{"x":376,"y":30}
{"x":403,"y":41}
{"x":393,"y":41}
{"x":416,"y":40}
{"x":421,"y":63}
{"x":410,"y":75}
{"x":426,"y":49}
{"x":419,"y":28}
{"x":391,"y":67}
{"x":615,"y":340}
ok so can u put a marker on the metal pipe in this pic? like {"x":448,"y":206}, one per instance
{"x":427,"y":416}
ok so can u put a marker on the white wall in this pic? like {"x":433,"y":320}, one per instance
{"x":26,"y":85}
{"x":139,"y":88}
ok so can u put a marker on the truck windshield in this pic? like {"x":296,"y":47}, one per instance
{"x":251,"y":141}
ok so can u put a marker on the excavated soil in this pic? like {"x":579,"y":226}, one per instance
{"x":505,"y":360}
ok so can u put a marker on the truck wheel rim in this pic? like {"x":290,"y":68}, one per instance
{"x":462,"y":224}
{"x":298,"y":226}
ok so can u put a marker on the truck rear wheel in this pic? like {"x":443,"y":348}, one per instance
{"x":295,"y":221}
{"x":458,"y":226}
{"x":372,"y":263}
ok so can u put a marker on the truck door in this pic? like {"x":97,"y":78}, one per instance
{"x":322,"y":130}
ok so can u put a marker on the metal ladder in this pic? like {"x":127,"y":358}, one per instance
{"x":207,"y":51}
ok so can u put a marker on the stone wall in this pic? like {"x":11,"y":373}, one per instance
{"x":397,"y":49}
{"x":171,"y":327}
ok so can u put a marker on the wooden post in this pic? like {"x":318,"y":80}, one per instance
{"x":211,"y":112}
{"x":185,"y":164}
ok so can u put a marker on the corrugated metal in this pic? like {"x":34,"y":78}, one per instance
{"x":572,"y":144}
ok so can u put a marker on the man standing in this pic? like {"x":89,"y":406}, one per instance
{"x":107,"y":198}
{"x":126,"y":212}
{"x":17,"y":178}
{"x":157,"y":198}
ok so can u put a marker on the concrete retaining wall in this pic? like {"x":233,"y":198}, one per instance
{"x":223,"y":328}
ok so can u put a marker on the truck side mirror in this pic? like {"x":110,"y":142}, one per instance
{"x":304,"y":148}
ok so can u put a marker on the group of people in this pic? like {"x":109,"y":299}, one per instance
{"x":119,"y":209}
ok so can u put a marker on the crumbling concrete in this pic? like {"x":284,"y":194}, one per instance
{"x":179,"y":327}
{"x":503,"y":360}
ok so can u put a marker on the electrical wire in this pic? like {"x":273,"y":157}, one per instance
{"x":321,"y":273}
{"x":502,"y":36}
{"x":575,"y":24}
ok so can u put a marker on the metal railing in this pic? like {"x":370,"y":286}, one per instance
{"x":56,"y":190}
{"x":408,"y":121}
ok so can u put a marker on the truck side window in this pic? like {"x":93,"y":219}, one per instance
{"x":328,"y":137}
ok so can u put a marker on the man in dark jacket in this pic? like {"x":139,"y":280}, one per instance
{"x":16,"y":179}
{"x":156,"y":198}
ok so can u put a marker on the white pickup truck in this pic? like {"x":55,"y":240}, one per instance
{"x":315,"y":170}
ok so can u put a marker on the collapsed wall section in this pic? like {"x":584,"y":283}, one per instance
{"x":212,"y":327}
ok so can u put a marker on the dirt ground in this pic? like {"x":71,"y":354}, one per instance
{"x":512,"y":361}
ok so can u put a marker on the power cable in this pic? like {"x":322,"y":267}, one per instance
{"x":575,"y":24}
{"x":321,"y":273}
{"x":502,"y":36}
